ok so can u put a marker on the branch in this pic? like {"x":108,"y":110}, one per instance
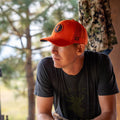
{"x":12,"y":46}
{"x":24,"y":48}
{"x":51,"y":4}
{"x":15,"y":11}
{"x":40,"y":47}
{"x":13,"y":27}
{"x":16,"y":31}
{"x":37,"y":34}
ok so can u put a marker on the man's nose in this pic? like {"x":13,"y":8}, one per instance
{"x":54,"y":49}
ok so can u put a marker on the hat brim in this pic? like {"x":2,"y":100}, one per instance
{"x":56,"y":41}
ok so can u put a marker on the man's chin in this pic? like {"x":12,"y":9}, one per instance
{"x":57,"y":66}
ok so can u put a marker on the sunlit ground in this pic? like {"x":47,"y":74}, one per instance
{"x":14,"y":107}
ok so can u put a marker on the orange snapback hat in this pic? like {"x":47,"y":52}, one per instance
{"x":68,"y":32}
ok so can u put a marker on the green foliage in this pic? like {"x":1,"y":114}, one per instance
{"x":48,"y":26}
{"x":12,"y":67}
{"x":13,"y":75}
{"x":22,"y":2}
{"x":3,"y":25}
{"x":58,"y":14}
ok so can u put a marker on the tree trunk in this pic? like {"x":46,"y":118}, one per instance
{"x":30,"y":79}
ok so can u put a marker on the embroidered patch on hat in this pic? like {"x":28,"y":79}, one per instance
{"x":58,"y":28}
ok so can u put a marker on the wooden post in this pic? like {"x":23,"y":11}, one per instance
{"x":6,"y":117}
{"x":2,"y":117}
{"x":0,"y":96}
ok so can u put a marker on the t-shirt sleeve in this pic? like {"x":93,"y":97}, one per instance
{"x":107,"y":82}
{"x":43,"y":86}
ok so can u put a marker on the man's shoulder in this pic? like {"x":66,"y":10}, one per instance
{"x":96,"y":55}
{"x":97,"y":58}
{"x":46,"y":62}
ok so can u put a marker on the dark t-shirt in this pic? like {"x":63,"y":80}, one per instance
{"x":76,"y":97}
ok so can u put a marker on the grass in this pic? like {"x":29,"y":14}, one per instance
{"x":15,"y":108}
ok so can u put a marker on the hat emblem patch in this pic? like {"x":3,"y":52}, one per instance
{"x":58,"y":28}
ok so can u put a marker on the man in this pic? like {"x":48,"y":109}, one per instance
{"x":81,"y":84}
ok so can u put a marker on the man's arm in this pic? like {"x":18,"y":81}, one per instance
{"x":108,"y":107}
{"x":44,"y":107}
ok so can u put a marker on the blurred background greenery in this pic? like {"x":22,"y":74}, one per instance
{"x":22,"y":24}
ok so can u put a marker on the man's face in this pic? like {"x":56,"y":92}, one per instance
{"x":64,"y":56}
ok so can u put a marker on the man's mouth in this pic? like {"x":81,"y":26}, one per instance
{"x":56,"y":58}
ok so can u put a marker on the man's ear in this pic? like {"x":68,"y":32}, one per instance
{"x":80,"y":49}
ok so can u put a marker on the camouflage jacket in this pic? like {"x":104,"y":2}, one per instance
{"x":95,"y":16}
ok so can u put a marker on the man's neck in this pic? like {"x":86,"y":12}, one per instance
{"x":76,"y":67}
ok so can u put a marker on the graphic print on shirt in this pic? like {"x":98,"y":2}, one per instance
{"x":77,"y":103}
